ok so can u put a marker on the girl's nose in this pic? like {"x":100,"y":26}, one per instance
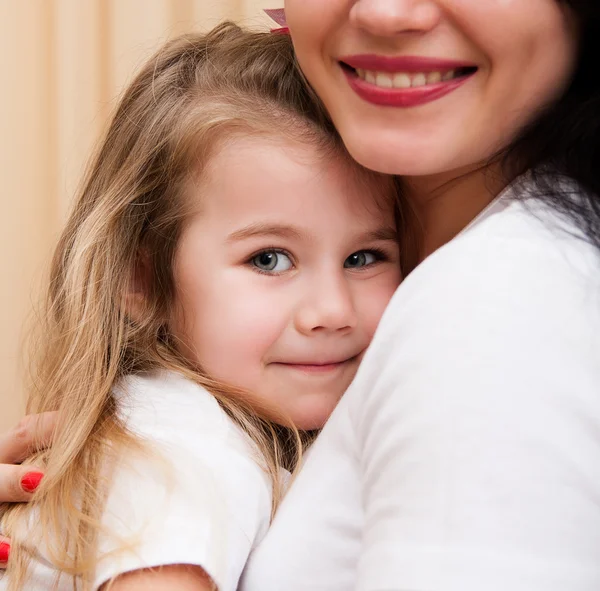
{"x":327,"y":307}
{"x":386,"y":18}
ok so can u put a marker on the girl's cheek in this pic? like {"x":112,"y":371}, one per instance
{"x":373,"y":302}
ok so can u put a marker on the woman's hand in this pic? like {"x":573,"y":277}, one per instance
{"x":18,"y":482}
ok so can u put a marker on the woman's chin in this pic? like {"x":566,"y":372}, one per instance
{"x":391,"y":155}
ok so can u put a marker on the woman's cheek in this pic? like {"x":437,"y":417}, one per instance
{"x":312,"y":21}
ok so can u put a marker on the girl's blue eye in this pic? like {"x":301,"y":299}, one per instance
{"x":271,"y":261}
{"x":360,"y":259}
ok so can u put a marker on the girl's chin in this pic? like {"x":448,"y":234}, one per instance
{"x":310,"y":421}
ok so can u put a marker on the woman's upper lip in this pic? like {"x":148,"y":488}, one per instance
{"x":405,"y":63}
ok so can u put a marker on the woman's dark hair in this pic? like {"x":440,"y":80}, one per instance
{"x":566,"y":138}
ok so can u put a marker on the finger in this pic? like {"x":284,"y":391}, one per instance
{"x":4,"y":551}
{"x":18,"y":483}
{"x":34,"y":432}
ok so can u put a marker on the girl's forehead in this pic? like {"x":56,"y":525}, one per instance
{"x":249,"y":174}
{"x":287,"y":166}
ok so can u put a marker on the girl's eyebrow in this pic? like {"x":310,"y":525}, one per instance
{"x":384,"y":233}
{"x":264,"y":229}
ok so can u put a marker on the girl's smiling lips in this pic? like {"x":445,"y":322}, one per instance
{"x":404,"y":81}
{"x":318,"y":367}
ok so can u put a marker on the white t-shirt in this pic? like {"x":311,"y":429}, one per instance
{"x":206,"y":502}
{"x":466,"y":454}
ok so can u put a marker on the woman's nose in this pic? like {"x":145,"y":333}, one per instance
{"x":386,"y":18}
{"x":328,"y":306}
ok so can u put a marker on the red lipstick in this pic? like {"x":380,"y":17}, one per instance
{"x":404,"y":97}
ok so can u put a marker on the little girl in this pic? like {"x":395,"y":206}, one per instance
{"x":210,"y":300}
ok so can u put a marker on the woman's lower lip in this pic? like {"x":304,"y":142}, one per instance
{"x":402,"y":97}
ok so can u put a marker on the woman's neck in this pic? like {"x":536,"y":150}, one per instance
{"x":446,"y":203}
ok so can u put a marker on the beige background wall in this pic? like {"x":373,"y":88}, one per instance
{"x":63,"y":64}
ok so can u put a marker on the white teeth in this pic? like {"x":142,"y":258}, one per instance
{"x":434,"y":77}
{"x":404,"y":79}
{"x":418,"y":80}
{"x":384,"y":80}
{"x":401,"y":81}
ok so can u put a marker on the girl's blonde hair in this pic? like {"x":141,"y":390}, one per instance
{"x":197,"y":90}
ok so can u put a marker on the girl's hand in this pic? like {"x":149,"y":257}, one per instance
{"x":18,"y":482}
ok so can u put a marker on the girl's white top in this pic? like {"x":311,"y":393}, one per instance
{"x":466,"y":454}
{"x":199,"y":496}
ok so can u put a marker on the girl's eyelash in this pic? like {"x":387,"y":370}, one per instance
{"x":380,"y":253}
{"x":273,"y":249}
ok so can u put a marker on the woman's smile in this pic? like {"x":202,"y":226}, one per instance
{"x":404,"y":81}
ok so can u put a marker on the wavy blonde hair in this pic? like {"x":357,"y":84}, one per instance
{"x":195,"y":91}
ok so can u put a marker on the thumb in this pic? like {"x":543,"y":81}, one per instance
{"x":4,"y":551}
{"x":18,"y":482}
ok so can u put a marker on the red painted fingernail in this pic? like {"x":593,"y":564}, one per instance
{"x":31,"y":481}
{"x":4,"y":551}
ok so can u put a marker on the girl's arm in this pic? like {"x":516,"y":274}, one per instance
{"x":175,"y":577}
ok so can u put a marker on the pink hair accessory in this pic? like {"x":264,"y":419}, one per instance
{"x":278,"y":15}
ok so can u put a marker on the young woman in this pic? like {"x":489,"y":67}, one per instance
{"x":465,"y":454}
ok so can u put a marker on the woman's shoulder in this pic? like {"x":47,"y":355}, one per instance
{"x":526,"y":215}
{"x":522,"y":274}
{"x":509,"y":310}
{"x":523,"y":238}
